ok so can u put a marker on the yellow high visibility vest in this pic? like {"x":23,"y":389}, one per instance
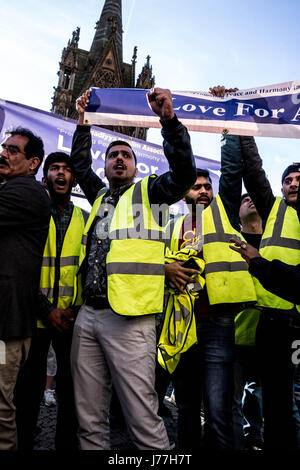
{"x":226,"y":273}
{"x":135,"y":261}
{"x":179,"y":328}
{"x":280,"y":240}
{"x":68,"y":261}
{"x":245,"y":324}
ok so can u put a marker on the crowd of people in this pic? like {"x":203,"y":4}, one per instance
{"x":94,"y":286}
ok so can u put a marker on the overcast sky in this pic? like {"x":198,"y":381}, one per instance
{"x":193,"y":45}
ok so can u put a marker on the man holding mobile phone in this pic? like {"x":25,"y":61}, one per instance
{"x":205,"y":371}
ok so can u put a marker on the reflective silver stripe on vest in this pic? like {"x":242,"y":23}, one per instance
{"x":65,"y":291}
{"x":197,"y":286}
{"x":48,"y":292}
{"x":186,"y":315}
{"x":138,"y":233}
{"x":177,"y":315}
{"x":135,"y":268}
{"x":179,"y":337}
{"x":276,"y":239}
{"x":85,"y":215}
{"x":171,"y":227}
{"x":84,"y":240}
{"x":69,"y":261}
{"x":48,"y":261}
{"x":219,"y":266}
{"x":101,"y":192}
{"x":220,"y":235}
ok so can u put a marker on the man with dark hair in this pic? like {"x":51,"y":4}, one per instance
{"x":122,"y":269}
{"x":205,"y":173}
{"x":120,"y":142}
{"x":24,"y":221}
{"x":34,"y":146}
{"x":247,"y":408}
{"x":279,"y":322}
{"x":205,"y":371}
{"x":57,"y":311}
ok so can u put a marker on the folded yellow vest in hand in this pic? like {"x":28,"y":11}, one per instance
{"x":179,"y":328}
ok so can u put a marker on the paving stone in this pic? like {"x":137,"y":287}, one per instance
{"x":120,"y":439}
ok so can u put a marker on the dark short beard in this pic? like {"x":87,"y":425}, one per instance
{"x":191,"y":203}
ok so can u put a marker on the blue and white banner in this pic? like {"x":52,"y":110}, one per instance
{"x":270,"y":111}
{"x":57,"y":132}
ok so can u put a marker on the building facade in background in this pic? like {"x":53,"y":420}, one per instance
{"x":102,"y":66}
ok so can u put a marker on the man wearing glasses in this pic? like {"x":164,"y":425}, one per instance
{"x":24,"y":220}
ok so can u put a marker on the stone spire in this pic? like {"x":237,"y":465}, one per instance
{"x":108,"y":26}
{"x":68,"y":68}
{"x":145,"y":78}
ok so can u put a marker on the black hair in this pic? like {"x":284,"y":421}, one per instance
{"x":204,"y":173}
{"x":34,"y":146}
{"x":119,"y":142}
{"x":295,"y":167}
{"x":243,"y":196}
{"x":56,"y":157}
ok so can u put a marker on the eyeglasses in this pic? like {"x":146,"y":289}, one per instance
{"x":11,"y":149}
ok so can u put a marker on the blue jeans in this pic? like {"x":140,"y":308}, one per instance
{"x":274,"y":337}
{"x":205,"y":372}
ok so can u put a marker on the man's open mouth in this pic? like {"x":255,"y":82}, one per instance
{"x":60,"y":182}
{"x":202,"y":200}
{"x":119,"y":167}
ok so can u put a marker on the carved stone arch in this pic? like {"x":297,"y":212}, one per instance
{"x":105,"y":79}
{"x":70,"y":59}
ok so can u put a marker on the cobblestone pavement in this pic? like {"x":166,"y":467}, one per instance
{"x":120,"y":439}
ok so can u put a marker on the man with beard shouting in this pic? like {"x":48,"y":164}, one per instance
{"x":205,"y":371}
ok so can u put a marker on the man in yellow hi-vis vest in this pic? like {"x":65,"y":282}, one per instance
{"x":278,"y":326}
{"x":247,"y":408}
{"x":56,"y":310}
{"x":122,"y":272}
{"x":205,"y":371}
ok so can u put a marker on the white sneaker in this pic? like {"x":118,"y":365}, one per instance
{"x":171,"y":399}
{"x":49,"y":397}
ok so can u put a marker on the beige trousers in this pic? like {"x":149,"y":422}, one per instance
{"x":109,"y":348}
{"x":13,"y":354}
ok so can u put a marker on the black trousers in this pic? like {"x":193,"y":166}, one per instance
{"x":30,"y":389}
{"x":275,"y":335}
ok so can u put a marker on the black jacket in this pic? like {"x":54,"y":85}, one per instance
{"x":24,"y":221}
{"x":167,"y":188}
{"x":277,"y":277}
{"x":255,"y":179}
